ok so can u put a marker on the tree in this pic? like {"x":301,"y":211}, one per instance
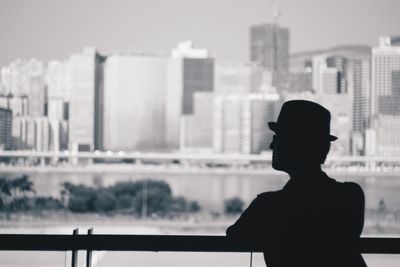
{"x":233,"y":205}
{"x":21,"y":185}
{"x":5,"y":192}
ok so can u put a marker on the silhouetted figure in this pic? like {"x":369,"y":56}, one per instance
{"x":313,"y":220}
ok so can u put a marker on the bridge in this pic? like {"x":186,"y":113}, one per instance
{"x":186,"y":160}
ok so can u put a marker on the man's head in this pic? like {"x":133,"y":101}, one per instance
{"x":302,"y":136}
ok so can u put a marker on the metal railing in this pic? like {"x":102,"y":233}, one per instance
{"x":92,"y":242}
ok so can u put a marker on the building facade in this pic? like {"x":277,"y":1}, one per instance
{"x":6,"y":141}
{"x":190,"y":70}
{"x":240,"y":122}
{"x":85,"y":82}
{"x":269,"y":48}
{"x":384,"y":97}
{"x":134,"y":102}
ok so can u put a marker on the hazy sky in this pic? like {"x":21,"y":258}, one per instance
{"x":52,"y":29}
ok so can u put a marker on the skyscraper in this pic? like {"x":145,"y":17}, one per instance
{"x":240,"y":121}
{"x":385,"y":115}
{"x":58,"y":80}
{"x":361,"y":104}
{"x":190,"y":70}
{"x":329,"y":74}
{"x":37,"y":97}
{"x":269,"y":47}
{"x":340,"y":64}
{"x":237,"y":78}
{"x":5,"y":129}
{"x":16,"y":78}
{"x":134,"y":102}
{"x":85,"y":82}
{"x":198,"y":134}
{"x":330,"y":81}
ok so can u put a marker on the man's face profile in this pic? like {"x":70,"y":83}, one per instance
{"x":288,"y":152}
{"x":284,"y":152}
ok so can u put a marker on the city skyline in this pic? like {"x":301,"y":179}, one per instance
{"x":53,"y":30}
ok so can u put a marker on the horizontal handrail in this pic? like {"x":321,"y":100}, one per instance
{"x":36,"y":242}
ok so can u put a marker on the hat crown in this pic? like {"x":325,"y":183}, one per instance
{"x":304,"y":118}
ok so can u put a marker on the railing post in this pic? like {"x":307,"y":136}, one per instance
{"x":89,"y":252}
{"x":74,"y":260}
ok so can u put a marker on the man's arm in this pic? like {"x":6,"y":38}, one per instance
{"x":248,"y":226}
{"x":355,"y":209}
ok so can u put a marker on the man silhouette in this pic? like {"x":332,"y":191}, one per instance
{"x":314,"y":220}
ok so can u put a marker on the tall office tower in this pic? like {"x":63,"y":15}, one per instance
{"x":63,"y":135}
{"x":18,"y":105}
{"x":329,"y":74}
{"x":57,"y":109}
{"x":134,"y":102}
{"x":269,"y":47}
{"x":237,"y":78}
{"x":86,"y":83}
{"x":190,"y":70}
{"x":385,"y":115}
{"x":16,"y":78}
{"x":42,"y":134}
{"x":198,"y":127}
{"x":240,"y":121}
{"x":361,"y":81}
{"x":302,"y":80}
{"x":58,"y":80}
{"x":4,"y":102}
{"x":30,"y":133}
{"x":329,"y":81}
{"x":58,"y":92}
{"x":340,"y":64}
{"x":318,"y":65}
{"x":37,"y":97}
{"x":5,"y":129}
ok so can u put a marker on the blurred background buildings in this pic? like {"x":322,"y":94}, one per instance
{"x":190,"y":101}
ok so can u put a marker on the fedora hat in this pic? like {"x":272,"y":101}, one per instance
{"x":305,"y":119}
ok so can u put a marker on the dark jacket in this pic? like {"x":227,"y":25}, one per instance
{"x":312,"y":223}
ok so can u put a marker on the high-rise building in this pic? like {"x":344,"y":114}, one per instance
{"x":300,"y":82}
{"x":190,"y":70}
{"x":58,"y":80}
{"x":329,"y":74}
{"x":330,"y":81}
{"x":5,"y":129}
{"x":385,"y":115}
{"x":269,"y":47}
{"x":340,"y":64}
{"x":237,"y":78}
{"x":318,"y":65}
{"x":134,"y":102}
{"x":361,"y":94}
{"x":86,"y":84}
{"x":18,"y":105}
{"x":16,"y":78}
{"x":361,"y":103}
{"x":198,"y":127}
{"x":57,"y":109}
{"x":42,"y":134}
{"x":240,"y":122}
{"x":37,"y":97}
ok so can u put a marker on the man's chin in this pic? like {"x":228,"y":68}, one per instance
{"x":276,"y":165}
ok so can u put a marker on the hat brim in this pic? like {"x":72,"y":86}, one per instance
{"x":273,"y":126}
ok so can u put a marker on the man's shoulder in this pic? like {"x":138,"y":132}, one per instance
{"x":265,"y":196}
{"x":347,"y":188}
